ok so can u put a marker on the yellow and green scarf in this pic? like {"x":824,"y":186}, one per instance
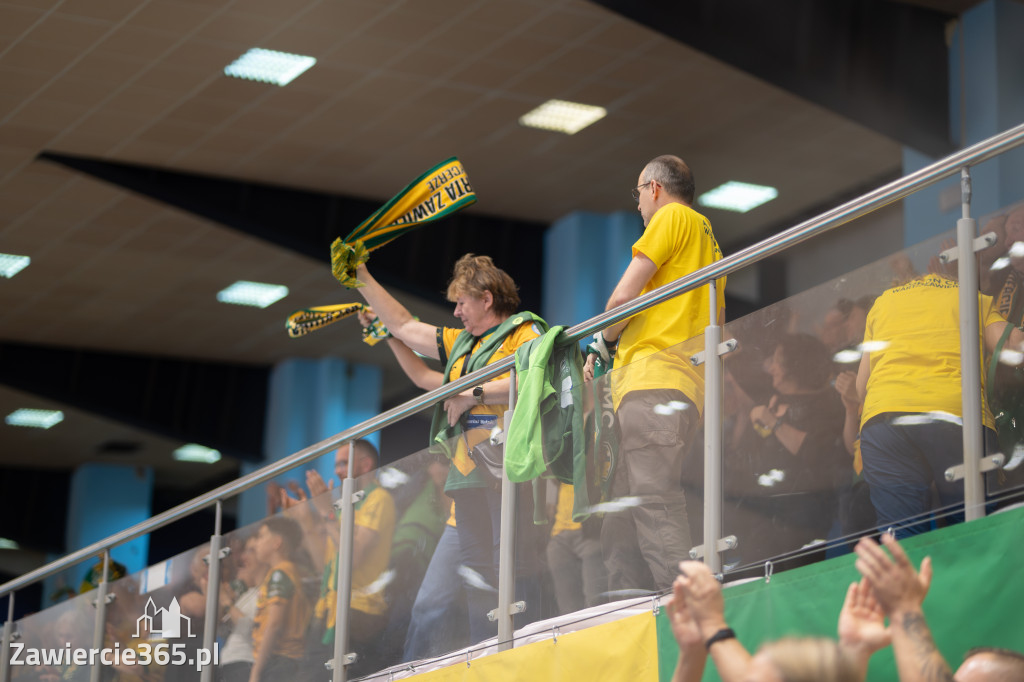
{"x":441,"y":191}
{"x":308,"y":320}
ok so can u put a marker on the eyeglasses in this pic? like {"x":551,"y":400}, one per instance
{"x":636,"y":191}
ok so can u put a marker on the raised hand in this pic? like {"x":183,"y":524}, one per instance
{"x":684,"y":627}
{"x":894,"y":582}
{"x":862,"y":622}
{"x":703,"y":597}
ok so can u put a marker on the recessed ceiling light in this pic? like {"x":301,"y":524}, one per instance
{"x":11,"y":265}
{"x":252,"y":293}
{"x":562,"y":116}
{"x":269,"y":66}
{"x":196,"y":453}
{"x":37,"y":419}
{"x":737,"y":196}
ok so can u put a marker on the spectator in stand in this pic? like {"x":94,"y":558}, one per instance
{"x":282,"y":610}
{"x":856,"y":514}
{"x":1011,"y":296}
{"x":438,"y":620}
{"x":658,"y":395}
{"x":843,"y":325}
{"x":192,"y":602}
{"x":1005,"y":390}
{"x":911,"y":426}
{"x":992,"y":278}
{"x":796,"y":460}
{"x":374,"y":520}
{"x":72,"y":628}
{"x":238,"y":607}
{"x":487,"y":303}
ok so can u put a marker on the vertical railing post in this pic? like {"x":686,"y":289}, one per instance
{"x":970,"y":356}
{"x":5,"y":660}
{"x":100,"y":623}
{"x":713,"y":390}
{"x":346,"y":517}
{"x":212,"y":594}
{"x":507,"y":539}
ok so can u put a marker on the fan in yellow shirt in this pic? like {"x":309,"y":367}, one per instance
{"x":658,"y":394}
{"x":911,"y":424}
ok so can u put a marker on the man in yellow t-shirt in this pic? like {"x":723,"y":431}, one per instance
{"x":374,"y":521}
{"x":658,"y":394}
{"x":911,"y":424}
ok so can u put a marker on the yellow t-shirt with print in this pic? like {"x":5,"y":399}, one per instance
{"x":375,"y":512}
{"x":282,"y":585}
{"x":918,"y":367}
{"x":651,"y":351}
{"x":481,"y":419}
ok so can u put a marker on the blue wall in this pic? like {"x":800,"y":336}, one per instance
{"x":310,"y":400}
{"x":986,"y":57}
{"x":585,"y":254}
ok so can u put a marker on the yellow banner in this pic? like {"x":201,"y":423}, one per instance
{"x":626,"y":649}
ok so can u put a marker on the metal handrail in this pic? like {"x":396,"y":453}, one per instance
{"x":894,"y":191}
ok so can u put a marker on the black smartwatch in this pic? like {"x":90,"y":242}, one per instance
{"x":478,"y":393}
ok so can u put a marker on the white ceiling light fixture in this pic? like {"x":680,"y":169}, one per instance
{"x":562,"y":116}
{"x":737,"y":196}
{"x":269,"y":66}
{"x":253,"y":294}
{"x":11,"y":265}
{"x":193,"y":452}
{"x":35,"y":419}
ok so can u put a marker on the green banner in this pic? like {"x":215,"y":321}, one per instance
{"x":975,"y":598}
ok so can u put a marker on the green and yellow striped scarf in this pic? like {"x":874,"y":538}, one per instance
{"x":441,"y":191}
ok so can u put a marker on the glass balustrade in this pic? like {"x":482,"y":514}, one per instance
{"x":841,"y":414}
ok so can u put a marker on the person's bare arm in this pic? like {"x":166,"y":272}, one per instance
{"x":863,"y":373}
{"x":788,"y":435}
{"x":692,"y":656}
{"x":704,"y":599}
{"x":309,"y":516}
{"x":900,"y":590}
{"x":495,"y":393}
{"x":861,"y":626}
{"x":419,"y":336}
{"x":414,"y":367}
{"x":638,"y":273}
{"x":418,"y":371}
{"x":994,"y":332}
{"x":846,"y":386}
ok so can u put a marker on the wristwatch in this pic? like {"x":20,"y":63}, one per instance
{"x":478,"y":393}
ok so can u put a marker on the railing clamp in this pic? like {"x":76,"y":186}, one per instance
{"x":513,"y":608}
{"x":990,"y":463}
{"x":728,"y":542}
{"x":979,"y":244}
{"x":724,"y":348}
